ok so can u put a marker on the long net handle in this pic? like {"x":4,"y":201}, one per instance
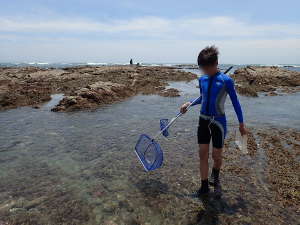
{"x":228,"y":69}
{"x":180,"y":114}
{"x":174,"y":119}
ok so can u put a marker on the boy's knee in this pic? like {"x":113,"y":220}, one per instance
{"x":217,"y":155}
{"x":203,"y":154}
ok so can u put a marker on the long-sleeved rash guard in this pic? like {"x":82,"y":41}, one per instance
{"x":213,"y":93}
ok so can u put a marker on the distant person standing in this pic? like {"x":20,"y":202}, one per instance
{"x":131,"y":62}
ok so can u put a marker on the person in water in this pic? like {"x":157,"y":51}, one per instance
{"x":214,"y":87}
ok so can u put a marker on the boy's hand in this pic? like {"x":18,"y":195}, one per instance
{"x":184,"y":106}
{"x":243,"y":129}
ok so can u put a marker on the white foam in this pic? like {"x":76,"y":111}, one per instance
{"x":282,"y":65}
{"x":296,"y":66}
{"x":95,"y":63}
{"x":38,"y":63}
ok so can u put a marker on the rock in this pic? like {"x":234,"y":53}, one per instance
{"x":4,"y":100}
{"x":93,"y":95}
{"x":85,"y":86}
{"x":171,"y":92}
{"x":13,"y":210}
{"x":253,"y":79}
{"x":34,"y":203}
{"x":247,"y":90}
{"x":272,"y":93}
{"x":110,"y":222}
{"x":8,"y":205}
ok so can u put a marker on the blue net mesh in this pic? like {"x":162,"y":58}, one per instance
{"x":163,"y":123}
{"x":149,"y":153}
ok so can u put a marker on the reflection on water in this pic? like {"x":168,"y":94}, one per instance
{"x":85,"y":160}
{"x":54,"y":101}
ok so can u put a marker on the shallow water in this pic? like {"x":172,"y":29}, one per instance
{"x":277,"y":111}
{"x":90,"y":155}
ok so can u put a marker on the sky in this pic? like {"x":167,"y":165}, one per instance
{"x":152,"y":31}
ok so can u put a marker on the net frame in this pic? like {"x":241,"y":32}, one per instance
{"x":143,"y":146}
{"x":163,"y":123}
{"x":151,"y":141}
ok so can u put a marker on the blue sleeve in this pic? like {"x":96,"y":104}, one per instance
{"x":199,"y":99}
{"x":234,"y":99}
{"x":197,"y":102}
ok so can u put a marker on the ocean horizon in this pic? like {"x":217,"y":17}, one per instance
{"x":42,"y":64}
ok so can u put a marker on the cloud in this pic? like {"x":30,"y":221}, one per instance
{"x":156,"y":27}
{"x":147,"y":39}
{"x":139,"y":24}
{"x":264,"y":51}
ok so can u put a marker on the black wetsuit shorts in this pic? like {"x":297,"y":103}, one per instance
{"x":214,"y":129}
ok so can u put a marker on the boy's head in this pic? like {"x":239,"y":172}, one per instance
{"x":208,"y":60}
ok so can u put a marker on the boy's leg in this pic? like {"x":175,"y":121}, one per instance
{"x":218,"y":134}
{"x":217,"y":158}
{"x":203,"y":156}
{"x":218,"y":142}
{"x":203,"y":141}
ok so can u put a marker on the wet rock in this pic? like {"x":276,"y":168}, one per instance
{"x":7,"y":205}
{"x":65,"y":103}
{"x":251,"y":80}
{"x":110,"y":222}
{"x":93,"y":95}
{"x":14,"y":210}
{"x":33,"y":203}
{"x":171,"y":92}
{"x":84,"y":87}
{"x":272,"y":93}
{"x":246,"y":90}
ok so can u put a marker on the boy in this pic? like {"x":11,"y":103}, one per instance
{"x":214,"y":87}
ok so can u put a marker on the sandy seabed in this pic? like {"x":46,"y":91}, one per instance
{"x":261,"y":187}
{"x":101,"y":185}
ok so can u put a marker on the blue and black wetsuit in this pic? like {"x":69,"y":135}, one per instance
{"x":212,"y":121}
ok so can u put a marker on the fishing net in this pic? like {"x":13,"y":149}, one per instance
{"x":163,"y":123}
{"x":149,"y":152}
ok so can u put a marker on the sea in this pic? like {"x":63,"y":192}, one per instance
{"x":295,"y":67}
{"x":67,"y":168}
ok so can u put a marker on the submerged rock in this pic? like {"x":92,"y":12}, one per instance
{"x":171,"y":92}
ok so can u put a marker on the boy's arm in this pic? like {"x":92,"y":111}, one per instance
{"x":234,"y":99}
{"x":199,"y":100}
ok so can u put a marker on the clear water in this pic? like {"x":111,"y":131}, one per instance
{"x":91,"y":152}
{"x":267,"y":110}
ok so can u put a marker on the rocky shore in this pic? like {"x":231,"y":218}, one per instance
{"x":84,"y":87}
{"x":88,"y":87}
{"x":49,"y":177}
{"x":272,"y":80}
